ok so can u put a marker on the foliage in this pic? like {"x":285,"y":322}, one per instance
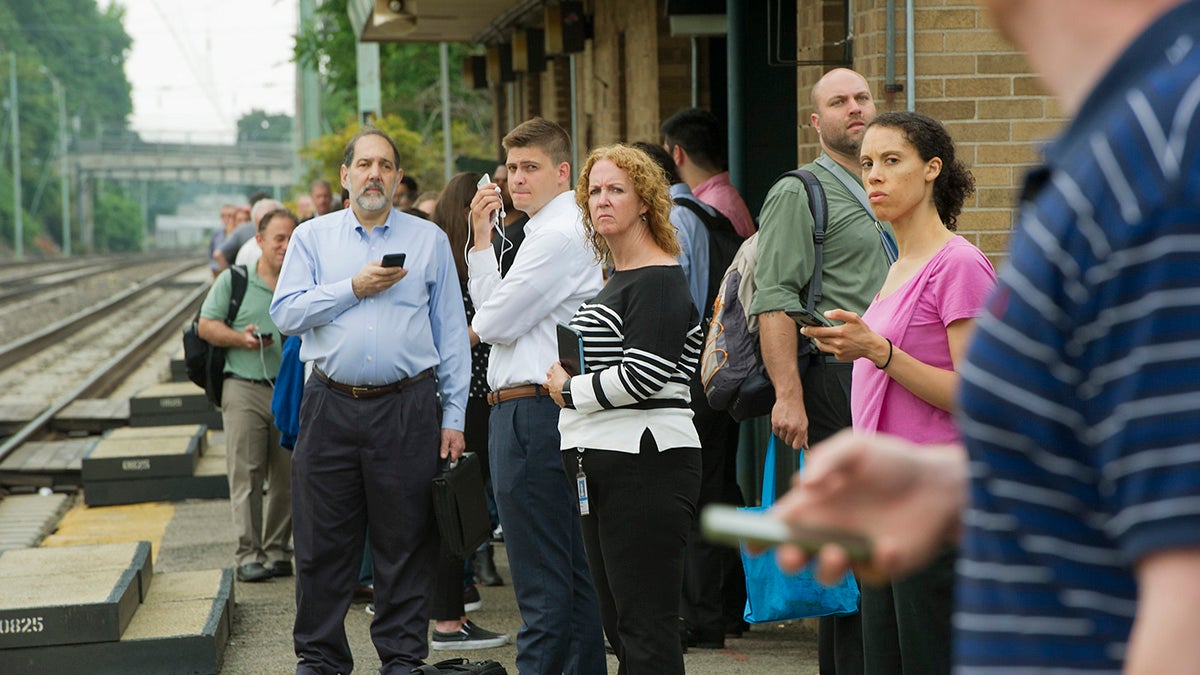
{"x":83,"y":48}
{"x":326,"y":151}
{"x":119,"y":223}
{"x":410,"y":89}
{"x":259,"y":126}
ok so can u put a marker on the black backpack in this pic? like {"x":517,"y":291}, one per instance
{"x":205,"y":363}
{"x":723,"y":244}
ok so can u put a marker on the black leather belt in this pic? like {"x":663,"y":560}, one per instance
{"x":370,"y":392}
{"x":266,"y":383}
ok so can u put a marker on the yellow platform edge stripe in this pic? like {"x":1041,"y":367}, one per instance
{"x":110,"y":524}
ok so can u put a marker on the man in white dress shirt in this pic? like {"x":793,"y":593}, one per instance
{"x":553,"y":273}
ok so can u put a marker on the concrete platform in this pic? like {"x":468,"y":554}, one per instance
{"x":182,"y":627}
{"x":143,"y":458}
{"x":199,"y":431}
{"x":71,"y":595}
{"x":172,"y":403}
{"x":208,"y":482}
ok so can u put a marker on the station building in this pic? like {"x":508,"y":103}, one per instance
{"x":612,"y":70}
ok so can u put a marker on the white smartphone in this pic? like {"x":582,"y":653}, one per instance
{"x":724,"y":524}
{"x":498,"y":214}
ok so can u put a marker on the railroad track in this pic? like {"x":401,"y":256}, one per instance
{"x":90,"y":352}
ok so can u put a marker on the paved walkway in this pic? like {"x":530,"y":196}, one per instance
{"x":198,"y":535}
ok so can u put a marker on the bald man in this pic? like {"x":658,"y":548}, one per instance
{"x":813,"y":402}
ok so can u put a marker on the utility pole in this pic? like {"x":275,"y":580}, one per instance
{"x":444,"y":55}
{"x":19,"y":222}
{"x":64,"y":162}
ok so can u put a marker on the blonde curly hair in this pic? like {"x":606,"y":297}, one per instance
{"x":650,"y":185}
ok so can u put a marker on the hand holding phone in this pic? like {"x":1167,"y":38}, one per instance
{"x":263,"y":336}
{"x":729,"y":525}
{"x":393,"y":260}
{"x":498,"y":214}
{"x":804,"y":317}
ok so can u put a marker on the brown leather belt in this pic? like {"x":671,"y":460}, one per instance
{"x":371,"y":392}
{"x":523,"y":391}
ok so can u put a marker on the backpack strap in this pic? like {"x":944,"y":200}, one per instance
{"x":239,"y":279}
{"x":839,"y":172}
{"x":711,"y":222}
{"x":820,"y":213}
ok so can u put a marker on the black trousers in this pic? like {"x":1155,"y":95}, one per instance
{"x":827,"y":401}
{"x":714,"y":584}
{"x":641,"y":506}
{"x":906,"y":625}
{"x":359,"y":465}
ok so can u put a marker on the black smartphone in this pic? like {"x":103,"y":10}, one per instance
{"x":393,"y":260}
{"x":731,"y":526}
{"x":806,"y":318}
{"x":264,"y":336}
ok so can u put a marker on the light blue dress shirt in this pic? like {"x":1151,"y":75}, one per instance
{"x":415,"y":325}
{"x":693,"y":244}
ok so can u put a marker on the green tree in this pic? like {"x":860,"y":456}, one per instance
{"x":119,"y":224}
{"x":259,"y":126}
{"x":84,"y":48}
{"x":410,"y":88}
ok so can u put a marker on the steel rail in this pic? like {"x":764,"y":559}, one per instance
{"x":107,"y":377}
{"x":21,"y":349}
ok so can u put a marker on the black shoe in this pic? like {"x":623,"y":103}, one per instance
{"x":471,"y":599}
{"x":469,"y":636}
{"x":485,"y":567}
{"x":280,"y":568}
{"x":735,"y":628}
{"x":364,"y":594}
{"x":691,"y":637}
{"x":253,"y":572}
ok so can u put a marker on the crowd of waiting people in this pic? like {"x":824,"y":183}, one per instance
{"x":1072,"y":523}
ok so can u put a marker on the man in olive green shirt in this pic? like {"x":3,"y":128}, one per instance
{"x":853,"y":269}
{"x":253,"y":453}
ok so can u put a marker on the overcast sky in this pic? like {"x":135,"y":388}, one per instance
{"x":196,"y":66}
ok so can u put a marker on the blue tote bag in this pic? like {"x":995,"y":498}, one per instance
{"x":773,"y":595}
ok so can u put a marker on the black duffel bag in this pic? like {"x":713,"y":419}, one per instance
{"x":461,"y":665}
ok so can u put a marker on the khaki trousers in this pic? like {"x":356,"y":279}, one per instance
{"x":254,"y":456}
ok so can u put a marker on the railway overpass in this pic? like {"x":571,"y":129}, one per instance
{"x":263,"y":165}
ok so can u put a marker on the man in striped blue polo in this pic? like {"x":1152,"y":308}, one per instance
{"x":1077,"y":501}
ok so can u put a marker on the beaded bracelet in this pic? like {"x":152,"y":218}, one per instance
{"x":889,"y":358}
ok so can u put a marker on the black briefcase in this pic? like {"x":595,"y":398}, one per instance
{"x":460,"y":507}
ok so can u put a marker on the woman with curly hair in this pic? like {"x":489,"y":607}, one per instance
{"x":627,"y":432}
{"x":906,"y":348}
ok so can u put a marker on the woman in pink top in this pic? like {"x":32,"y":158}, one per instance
{"x":905,"y":348}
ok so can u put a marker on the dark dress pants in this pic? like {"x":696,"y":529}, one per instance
{"x":906,"y":625}
{"x":714,"y":585}
{"x":359,"y":465}
{"x":539,"y":511}
{"x":641,"y":505}
{"x":827,"y":401}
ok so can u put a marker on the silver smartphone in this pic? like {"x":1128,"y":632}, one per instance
{"x":497,"y":215}
{"x":729,"y":525}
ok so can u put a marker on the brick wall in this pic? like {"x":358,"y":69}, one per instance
{"x":968,"y":77}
